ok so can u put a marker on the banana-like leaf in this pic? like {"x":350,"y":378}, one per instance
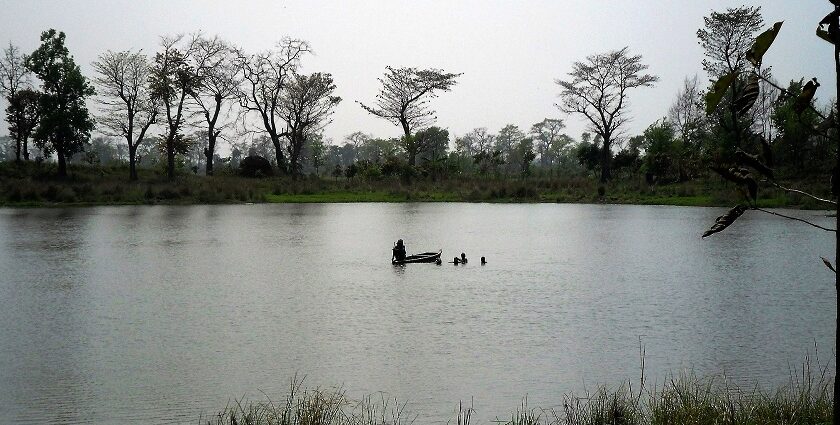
{"x":828,"y":123}
{"x":718,"y":90}
{"x":747,"y":99}
{"x":831,"y":18}
{"x":725,"y":220}
{"x":828,"y":264}
{"x":735,"y":175}
{"x":743,"y":158}
{"x":807,"y":95}
{"x":742,"y":177}
{"x":823,"y":34}
{"x":762,"y":43}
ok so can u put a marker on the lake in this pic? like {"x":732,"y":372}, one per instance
{"x":161,"y":314}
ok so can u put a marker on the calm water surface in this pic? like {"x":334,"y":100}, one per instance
{"x":161,"y":314}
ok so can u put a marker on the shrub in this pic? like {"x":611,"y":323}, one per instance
{"x":255,"y":166}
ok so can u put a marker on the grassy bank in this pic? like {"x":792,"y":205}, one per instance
{"x":31,"y":185}
{"x":683,"y":400}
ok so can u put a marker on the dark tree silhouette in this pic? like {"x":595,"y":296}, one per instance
{"x":128,"y":107}
{"x":403,"y":100}
{"x":264,"y":80}
{"x":173,"y":80}
{"x":599,"y":89}
{"x":306,"y":106}
{"x":13,"y":78}
{"x":65,"y":124}
{"x":215,"y":62}
{"x":22,"y":115}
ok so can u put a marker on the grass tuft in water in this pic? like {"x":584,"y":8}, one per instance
{"x":682,"y":399}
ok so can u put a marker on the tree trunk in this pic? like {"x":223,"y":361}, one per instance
{"x":208,"y":152}
{"x":278,"y":154}
{"x":26,"y":149}
{"x":606,"y":174}
{"x":62,"y":163}
{"x":836,"y":409}
{"x":170,"y":158}
{"x":18,"y":144}
{"x":132,"y":162}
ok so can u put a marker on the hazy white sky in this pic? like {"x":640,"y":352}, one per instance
{"x":509,"y":51}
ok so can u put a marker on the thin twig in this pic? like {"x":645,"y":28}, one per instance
{"x":796,"y":219}
{"x":787,"y":189}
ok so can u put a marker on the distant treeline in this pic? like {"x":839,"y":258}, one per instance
{"x":172,"y":111}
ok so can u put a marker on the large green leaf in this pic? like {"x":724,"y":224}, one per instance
{"x":762,"y":43}
{"x":718,"y":90}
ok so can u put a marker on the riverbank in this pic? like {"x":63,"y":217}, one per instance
{"x":33,"y":185}
{"x":682,"y":400}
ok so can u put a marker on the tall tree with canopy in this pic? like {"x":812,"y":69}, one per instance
{"x":215,"y":62}
{"x":264,"y":79}
{"x":306,"y":106}
{"x":599,"y":89}
{"x":22,"y":114}
{"x":548,"y":134}
{"x":404,"y":99}
{"x":173,"y":80}
{"x":726,"y":38}
{"x":128,"y":108}
{"x":14,"y":77}
{"x":65,"y":123}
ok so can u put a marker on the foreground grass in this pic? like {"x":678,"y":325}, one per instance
{"x":681,"y":400}
{"x":33,"y":185}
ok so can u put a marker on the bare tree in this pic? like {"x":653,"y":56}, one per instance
{"x":306,"y":107}
{"x":599,"y":89}
{"x":687,"y":110}
{"x":215,"y":62}
{"x":403,"y":100}
{"x":128,"y":107}
{"x":14,"y":77}
{"x":173,"y":80}
{"x":264,"y":79}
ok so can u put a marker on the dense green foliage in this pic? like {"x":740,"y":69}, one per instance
{"x":64,"y":124}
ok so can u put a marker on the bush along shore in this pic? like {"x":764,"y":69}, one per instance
{"x":686,"y":399}
{"x":32,"y":185}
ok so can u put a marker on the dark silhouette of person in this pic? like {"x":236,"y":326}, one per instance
{"x":398,"y":252}
{"x":463,"y":258}
{"x":456,"y":261}
{"x":483,"y":261}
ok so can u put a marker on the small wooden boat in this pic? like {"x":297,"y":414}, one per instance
{"x":426,"y":257}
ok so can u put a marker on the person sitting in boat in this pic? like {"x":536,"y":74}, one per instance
{"x":398,"y":251}
{"x":463,"y":258}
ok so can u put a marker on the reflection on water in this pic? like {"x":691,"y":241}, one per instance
{"x":159,"y":314}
